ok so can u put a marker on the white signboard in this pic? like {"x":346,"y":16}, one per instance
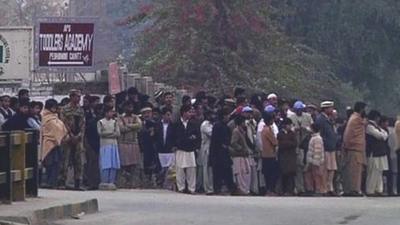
{"x":16,"y":53}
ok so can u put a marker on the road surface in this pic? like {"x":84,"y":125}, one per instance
{"x":148,"y":207}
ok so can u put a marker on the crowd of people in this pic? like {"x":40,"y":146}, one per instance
{"x":240,"y":145}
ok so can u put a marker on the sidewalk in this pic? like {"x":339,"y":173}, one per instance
{"x":51,"y":205}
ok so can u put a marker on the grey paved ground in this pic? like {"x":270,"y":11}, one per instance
{"x":47,"y":199}
{"x":125,"y":207}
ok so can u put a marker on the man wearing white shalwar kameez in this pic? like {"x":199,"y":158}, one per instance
{"x":187,"y":135}
{"x":377,"y":161}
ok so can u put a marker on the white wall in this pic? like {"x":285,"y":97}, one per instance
{"x":19,"y":40}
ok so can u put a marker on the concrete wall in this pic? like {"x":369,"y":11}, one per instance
{"x":16,"y":63}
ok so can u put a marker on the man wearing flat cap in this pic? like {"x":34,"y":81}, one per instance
{"x":73,"y":117}
{"x":330,"y":138}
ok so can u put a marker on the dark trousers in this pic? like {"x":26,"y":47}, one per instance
{"x":222,"y":174}
{"x":162,"y":175}
{"x":398,"y":170}
{"x":270,"y":167}
{"x":389,"y":177}
{"x":288,"y":183}
{"x":92,"y":171}
{"x":52,"y":163}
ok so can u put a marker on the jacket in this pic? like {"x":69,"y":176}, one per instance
{"x":269,"y":143}
{"x":287,"y":155}
{"x":302,"y":125}
{"x":219,"y":145}
{"x":315,"y":154}
{"x":167,"y":145}
{"x":376,"y":139}
{"x":74,"y":119}
{"x":327,"y":132}
{"x":16,"y":122}
{"x":354,"y":134}
{"x":239,"y":147}
{"x":108,"y":131}
{"x":187,"y":139}
{"x":5,"y":114}
{"x":129,"y":128}
{"x":148,"y":145}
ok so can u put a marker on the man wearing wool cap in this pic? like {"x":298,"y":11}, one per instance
{"x":301,"y":123}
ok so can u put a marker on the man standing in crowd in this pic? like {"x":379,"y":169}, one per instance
{"x":73,"y":117}
{"x":23,"y":94}
{"x":147,"y":142}
{"x":5,"y":111}
{"x":34,"y":119}
{"x":240,"y":153}
{"x":302,"y":122}
{"x":19,"y":121}
{"x":312,"y":110}
{"x":165,"y":145}
{"x":269,"y":155}
{"x":397,"y":138}
{"x":53,"y":133}
{"x":203,"y":156}
{"x":287,"y":156}
{"x":187,"y":142}
{"x":329,"y":137}
{"x":169,"y":104}
{"x":272,"y":99}
{"x":93,"y":114}
{"x":255,"y":163}
{"x":220,"y":159}
{"x":354,"y":151}
{"x":133,"y":97}
{"x":129,"y":152}
{"x":376,"y":150}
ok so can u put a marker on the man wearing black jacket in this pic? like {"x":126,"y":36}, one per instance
{"x":220,"y":159}
{"x":165,"y":143}
{"x":147,"y":138}
{"x":19,"y":121}
{"x":187,"y":136}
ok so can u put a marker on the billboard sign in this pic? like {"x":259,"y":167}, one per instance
{"x":65,"y":44}
{"x":15,"y":53}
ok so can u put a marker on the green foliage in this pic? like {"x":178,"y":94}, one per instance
{"x":360,"y":37}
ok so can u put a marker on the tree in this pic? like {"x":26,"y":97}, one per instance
{"x":359,"y":37}
{"x":23,"y":12}
{"x":218,"y":44}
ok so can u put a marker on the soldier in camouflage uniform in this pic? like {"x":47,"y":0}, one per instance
{"x":73,"y":117}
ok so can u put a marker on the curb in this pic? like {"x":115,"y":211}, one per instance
{"x":39,"y":217}
{"x":2,"y":222}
